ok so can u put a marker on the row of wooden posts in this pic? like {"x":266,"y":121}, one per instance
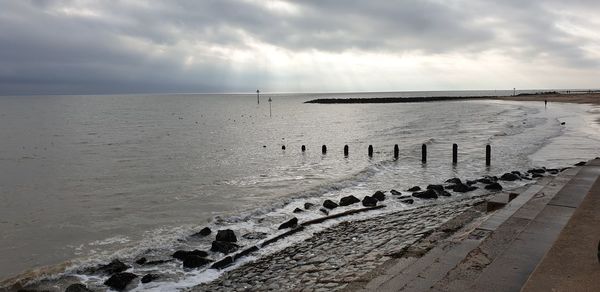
{"x":488,"y":152}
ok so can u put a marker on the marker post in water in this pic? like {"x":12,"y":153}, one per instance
{"x":270,"y":100}
{"x":257,"y":96}
{"x":424,"y":153}
{"x":454,"y":153}
{"x":488,"y":155}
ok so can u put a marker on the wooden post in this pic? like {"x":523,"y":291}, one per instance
{"x":488,"y":155}
{"x":324,"y":149}
{"x":424,"y":153}
{"x":396,"y":151}
{"x":454,"y":153}
{"x":303,"y":148}
{"x":346,"y":150}
{"x":370,"y":150}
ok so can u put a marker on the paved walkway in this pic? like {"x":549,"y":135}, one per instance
{"x":504,"y":250}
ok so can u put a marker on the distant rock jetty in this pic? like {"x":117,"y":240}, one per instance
{"x":394,"y":99}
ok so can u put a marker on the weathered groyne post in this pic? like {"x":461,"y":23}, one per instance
{"x":488,"y":155}
{"x":454,"y":153}
{"x":424,"y":153}
{"x":303,"y":148}
{"x":324,"y":149}
{"x":396,"y":151}
{"x":370,"y":150}
{"x":346,"y":150}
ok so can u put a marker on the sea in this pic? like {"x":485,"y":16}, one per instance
{"x":85,"y":179}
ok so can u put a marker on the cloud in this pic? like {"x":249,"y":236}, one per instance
{"x":82,"y":46}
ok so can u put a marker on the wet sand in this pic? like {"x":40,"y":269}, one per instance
{"x":585,"y":98}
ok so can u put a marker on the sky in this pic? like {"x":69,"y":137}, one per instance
{"x":193,"y":46}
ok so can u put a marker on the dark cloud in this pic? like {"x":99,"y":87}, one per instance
{"x":79,"y":46}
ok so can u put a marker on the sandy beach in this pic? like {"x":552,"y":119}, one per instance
{"x":585,"y":98}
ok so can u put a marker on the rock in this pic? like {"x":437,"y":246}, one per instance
{"x":120,"y":280}
{"x":414,"y":189}
{"x":471,"y":182}
{"x":537,"y":175}
{"x":536,"y":170}
{"x":116,"y":266}
{"x":308,"y":205}
{"x":226,"y":235}
{"x":369,"y":201}
{"x":454,"y":181}
{"x":141,"y":261}
{"x":289,"y":224}
{"x":329,"y":204}
{"x":552,"y":171}
{"x":435,"y":187}
{"x":396,"y":193}
{"x":255,"y":235}
{"x":516,"y":172}
{"x":77,"y":288}
{"x":204,"y":232}
{"x":428,"y":194}
{"x":349,"y":200}
{"x":223,"y":247}
{"x":149,"y":278}
{"x":379,"y":195}
{"x":225,"y":262}
{"x":494,"y":187}
{"x":443,"y":193}
{"x":485,"y":180}
{"x":193,"y":261}
{"x":298,"y":210}
{"x":184,"y":254}
{"x":324,"y":211}
{"x":462,"y":188}
{"x":408,"y":201}
{"x":581,"y":163}
{"x":510,"y":177}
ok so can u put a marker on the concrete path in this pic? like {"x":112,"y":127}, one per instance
{"x":503,"y":251}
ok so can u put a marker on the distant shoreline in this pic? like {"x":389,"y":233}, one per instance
{"x":593,"y":98}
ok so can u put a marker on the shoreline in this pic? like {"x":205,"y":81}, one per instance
{"x":584,"y":98}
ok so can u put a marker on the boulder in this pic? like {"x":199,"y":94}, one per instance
{"x":509,"y":177}
{"x":298,"y":210}
{"x":204,"y":232}
{"x":369,"y":201}
{"x":226,"y":235}
{"x":77,"y":288}
{"x":379,"y":195}
{"x":141,"y":261}
{"x":193,"y":262}
{"x":149,"y":278}
{"x":435,"y":187}
{"x":494,"y":187}
{"x":349,"y":200}
{"x":454,"y":181}
{"x":552,"y":171}
{"x":184,"y":254}
{"x":324,"y":211}
{"x":223,"y":247}
{"x":581,"y":163}
{"x":471,"y":182}
{"x":536,"y":170}
{"x":408,"y":201}
{"x":485,"y":180}
{"x":308,"y":205}
{"x":329,"y":204}
{"x":120,"y":280}
{"x":395,"y":193}
{"x":414,"y":189}
{"x":289,"y":224}
{"x":116,"y":266}
{"x":428,"y":194}
{"x":462,"y":188}
{"x":443,"y":193}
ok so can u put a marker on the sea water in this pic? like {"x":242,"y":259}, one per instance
{"x":85,"y":179}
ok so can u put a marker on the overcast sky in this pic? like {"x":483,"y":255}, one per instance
{"x":135,"y":46}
